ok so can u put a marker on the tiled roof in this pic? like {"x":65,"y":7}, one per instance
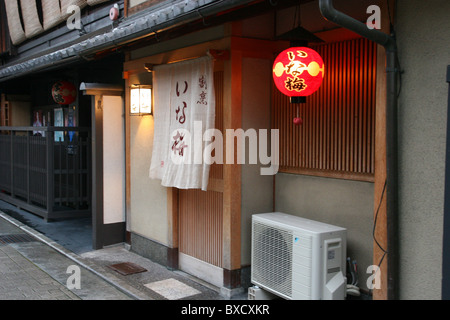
{"x":141,"y":24}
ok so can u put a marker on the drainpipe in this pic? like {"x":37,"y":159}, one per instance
{"x":388,"y":42}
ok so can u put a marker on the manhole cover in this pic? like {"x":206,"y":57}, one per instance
{"x":16,"y":238}
{"x":127,"y":268}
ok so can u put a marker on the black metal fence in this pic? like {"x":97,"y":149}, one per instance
{"x":47,"y":172}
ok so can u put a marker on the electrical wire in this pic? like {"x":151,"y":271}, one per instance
{"x":375,"y":225}
{"x":355,"y":270}
{"x":352,"y":287}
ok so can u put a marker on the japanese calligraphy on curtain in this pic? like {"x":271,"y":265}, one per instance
{"x":184,"y":109}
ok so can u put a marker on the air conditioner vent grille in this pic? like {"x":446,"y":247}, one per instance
{"x":272,"y":258}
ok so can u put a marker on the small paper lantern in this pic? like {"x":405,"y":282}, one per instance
{"x":298,"y":71}
{"x":64,"y":92}
{"x":140,"y":100}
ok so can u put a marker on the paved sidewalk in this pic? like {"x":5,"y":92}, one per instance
{"x":32,"y":270}
{"x":33,"y":266}
{"x":21,"y":279}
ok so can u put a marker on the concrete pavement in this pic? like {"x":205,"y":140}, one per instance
{"x":20,"y":278}
{"x":33,"y":266}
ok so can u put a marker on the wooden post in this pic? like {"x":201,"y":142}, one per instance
{"x":97,"y":171}
{"x":232,"y":172}
{"x":50,"y":182}
{"x":173,"y":225}
{"x":380,"y":257}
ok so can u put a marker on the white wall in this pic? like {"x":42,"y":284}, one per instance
{"x":113,"y":160}
{"x":424,"y":52}
{"x":257,"y":189}
{"x":148,"y":198}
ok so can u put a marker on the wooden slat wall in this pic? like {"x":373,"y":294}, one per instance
{"x":216,"y":170}
{"x":201,"y":215}
{"x":337,"y":135}
{"x":200,"y":212}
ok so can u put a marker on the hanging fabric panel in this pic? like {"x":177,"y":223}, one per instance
{"x":65,"y":6}
{"x":15,"y":27}
{"x":30,"y":18}
{"x":95,"y":2}
{"x":52,"y":13}
{"x":184,"y":108}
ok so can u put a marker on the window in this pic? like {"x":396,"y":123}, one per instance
{"x":337,"y":136}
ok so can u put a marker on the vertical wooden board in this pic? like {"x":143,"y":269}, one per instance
{"x":232,"y":172}
{"x":380,"y":223}
{"x":200,"y":225}
{"x":200,"y":213}
{"x":380,"y":257}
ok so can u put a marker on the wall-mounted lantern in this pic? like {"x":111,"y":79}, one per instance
{"x":140,"y":100}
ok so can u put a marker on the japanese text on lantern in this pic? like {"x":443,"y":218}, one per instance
{"x":298,"y":71}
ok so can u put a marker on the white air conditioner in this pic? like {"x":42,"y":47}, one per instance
{"x":298,"y":259}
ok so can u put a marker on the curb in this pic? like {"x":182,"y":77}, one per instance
{"x":92,"y":267}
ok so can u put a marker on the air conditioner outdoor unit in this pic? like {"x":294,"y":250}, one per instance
{"x":298,"y":259}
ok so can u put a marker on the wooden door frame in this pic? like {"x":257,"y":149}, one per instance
{"x":102,"y":234}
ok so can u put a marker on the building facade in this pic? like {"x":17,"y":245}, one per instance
{"x":369,"y":155}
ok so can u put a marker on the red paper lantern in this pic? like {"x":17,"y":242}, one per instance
{"x":64,"y":92}
{"x":298,"y":71}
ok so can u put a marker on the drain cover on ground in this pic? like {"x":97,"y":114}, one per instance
{"x":16,"y":238}
{"x":127,"y":268}
{"x":172,"y":289}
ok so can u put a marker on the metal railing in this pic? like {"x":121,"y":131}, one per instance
{"x":46,"y":170}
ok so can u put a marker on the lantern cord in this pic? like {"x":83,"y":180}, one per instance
{"x":297,"y":16}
